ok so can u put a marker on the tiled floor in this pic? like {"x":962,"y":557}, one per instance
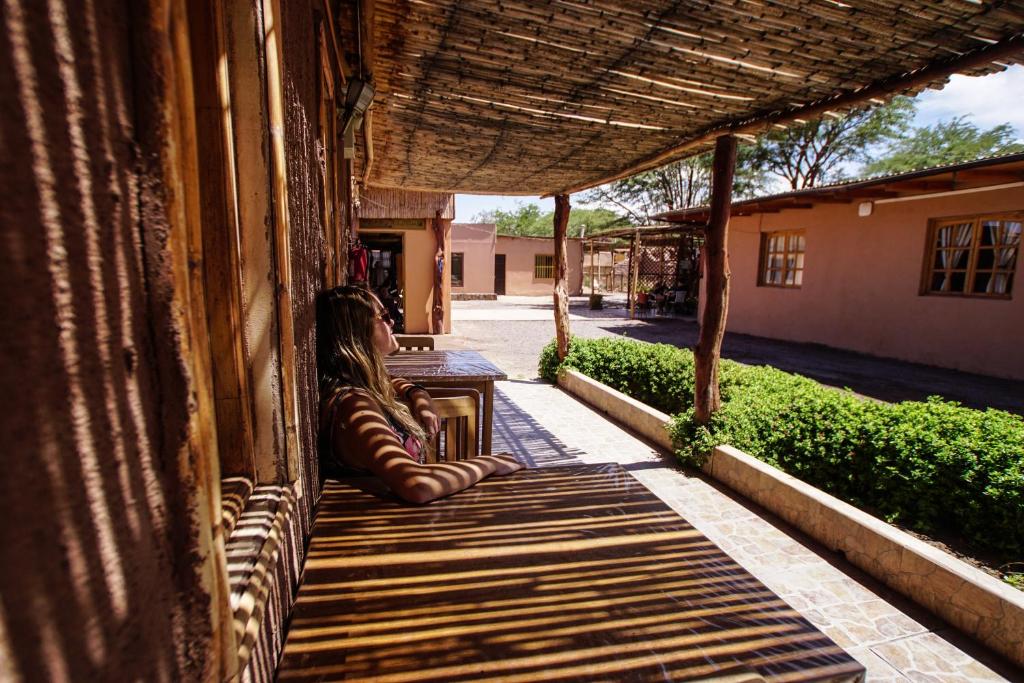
{"x":894,"y":639}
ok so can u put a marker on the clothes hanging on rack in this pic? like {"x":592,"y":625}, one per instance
{"x":358,"y":262}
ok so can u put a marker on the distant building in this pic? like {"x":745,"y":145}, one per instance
{"x":919,"y":266}
{"x":484,"y":262}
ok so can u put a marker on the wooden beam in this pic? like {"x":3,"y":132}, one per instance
{"x":196,"y":460}
{"x":367,"y":145}
{"x":273,"y":41}
{"x":987,"y":176}
{"x":367,"y":41}
{"x":332,"y":36}
{"x":707,"y":398}
{"x":634,"y":272}
{"x":925,"y":185}
{"x":437,"y":308}
{"x":561,"y":265}
{"x":221,"y":239}
{"x":348,"y":212}
{"x":591,"y":267}
{"x":758,"y":122}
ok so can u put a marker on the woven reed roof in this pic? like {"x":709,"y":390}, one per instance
{"x":543,"y":96}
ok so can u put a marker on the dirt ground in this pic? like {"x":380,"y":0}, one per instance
{"x":512,"y":331}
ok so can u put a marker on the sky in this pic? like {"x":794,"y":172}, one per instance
{"x":988,"y":100}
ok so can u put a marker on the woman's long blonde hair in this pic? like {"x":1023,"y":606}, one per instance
{"x":347,"y":356}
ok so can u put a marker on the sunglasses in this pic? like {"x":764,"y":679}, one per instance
{"x":386,"y":317}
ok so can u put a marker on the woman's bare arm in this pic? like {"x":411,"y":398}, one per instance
{"x":362,"y":435}
{"x":420,"y":404}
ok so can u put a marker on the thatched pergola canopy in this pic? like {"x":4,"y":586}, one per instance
{"x":549,"y":96}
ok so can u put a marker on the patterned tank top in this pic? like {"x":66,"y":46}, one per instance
{"x":409,"y":442}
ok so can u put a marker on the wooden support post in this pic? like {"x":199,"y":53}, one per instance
{"x":348,"y":212}
{"x":274,"y":48}
{"x":437,"y":309}
{"x":561,"y":297}
{"x":707,"y":399}
{"x":634,"y":272}
{"x":591,"y":267}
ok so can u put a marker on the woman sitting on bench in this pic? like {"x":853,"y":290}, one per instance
{"x":371,"y":423}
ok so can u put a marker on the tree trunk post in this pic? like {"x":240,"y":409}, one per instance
{"x":707,"y":399}
{"x":561,"y":296}
{"x":592,"y":267}
{"x":437,"y":309}
{"x":634,"y":272}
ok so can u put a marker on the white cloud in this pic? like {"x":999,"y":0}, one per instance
{"x":989,"y":100}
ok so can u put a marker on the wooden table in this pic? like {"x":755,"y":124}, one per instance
{"x":451,"y":369}
{"x":563,"y":573}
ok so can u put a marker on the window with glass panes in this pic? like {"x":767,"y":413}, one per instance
{"x":544,"y":266}
{"x":973,"y":256}
{"x":782,"y":259}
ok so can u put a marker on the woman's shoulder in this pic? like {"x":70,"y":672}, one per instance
{"x":342,"y":403}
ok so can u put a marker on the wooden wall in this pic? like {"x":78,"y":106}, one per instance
{"x":164,"y":240}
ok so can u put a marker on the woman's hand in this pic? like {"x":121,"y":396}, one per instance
{"x":423,"y":411}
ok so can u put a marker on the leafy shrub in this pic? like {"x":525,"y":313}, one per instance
{"x":660,"y":375}
{"x":933,"y":466}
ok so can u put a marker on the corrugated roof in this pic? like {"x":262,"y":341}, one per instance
{"x":960,"y":176}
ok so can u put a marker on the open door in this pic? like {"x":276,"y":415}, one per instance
{"x":499,"y":273}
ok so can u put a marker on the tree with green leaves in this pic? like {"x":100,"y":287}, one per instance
{"x":815,"y":152}
{"x":527,"y":220}
{"x":524,"y":220}
{"x":677,"y":185}
{"x":944,"y":144}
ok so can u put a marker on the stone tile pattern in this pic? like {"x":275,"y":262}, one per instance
{"x":974,"y":602}
{"x":978,"y":604}
{"x":894,"y":642}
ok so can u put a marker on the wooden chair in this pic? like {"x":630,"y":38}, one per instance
{"x":643,"y":306}
{"x":414,"y":342}
{"x":458,"y":409}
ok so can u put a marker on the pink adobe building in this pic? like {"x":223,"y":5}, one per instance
{"x":921,"y":266}
{"x":483,"y":262}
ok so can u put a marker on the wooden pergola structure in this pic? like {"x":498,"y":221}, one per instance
{"x":554,"y":97}
{"x":656,"y":255}
{"x":182,"y":179}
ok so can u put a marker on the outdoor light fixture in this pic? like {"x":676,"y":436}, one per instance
{"x":864,"y":209}
{"x":357,"y":101}
{"x":348,"y":135}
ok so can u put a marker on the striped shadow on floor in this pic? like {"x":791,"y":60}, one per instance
{"x":516,"y":432}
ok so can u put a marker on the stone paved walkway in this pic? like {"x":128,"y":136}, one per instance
{"x":893,"y":638}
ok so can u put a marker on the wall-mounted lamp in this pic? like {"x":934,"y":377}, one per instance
{"x":357,"y":101}
{"x":864,"y":209}
{"x":348,"y":136}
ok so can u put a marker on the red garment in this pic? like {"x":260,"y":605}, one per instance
{"x":358,"y":263}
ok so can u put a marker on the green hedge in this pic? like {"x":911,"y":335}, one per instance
{"x":659,"y":375}
{"x":933,"y":466}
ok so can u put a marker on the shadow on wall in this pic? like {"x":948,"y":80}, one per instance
{"x":97,"y":581}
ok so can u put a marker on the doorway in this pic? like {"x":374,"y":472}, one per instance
{"x":499,"y":273}
{"x":385,"y":272}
